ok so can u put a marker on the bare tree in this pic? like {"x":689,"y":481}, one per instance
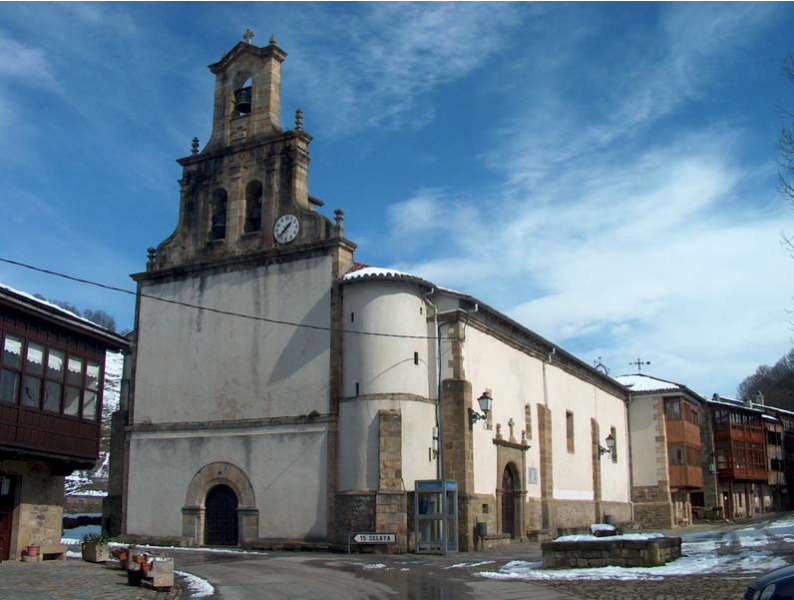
{"x":786,"y":147}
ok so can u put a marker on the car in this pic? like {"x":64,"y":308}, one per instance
{"x":775,"y":585}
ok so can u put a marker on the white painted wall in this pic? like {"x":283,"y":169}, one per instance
{"x":263,"y":370}
{"x":359,"y":447}
{"x":286,"y":466}
{"x":516,"y":379}
{"x":386,"y":364}
{"x":643,"y":441}
{"x":383,"y":366}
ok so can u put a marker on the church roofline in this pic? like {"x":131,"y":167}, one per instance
{"x":269,"y":51}
{"x":361,"y":273}
{"x":247,"y":145}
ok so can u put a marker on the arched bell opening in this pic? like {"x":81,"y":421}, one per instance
{"x":243,"y":98}
{"x":253,"y":207}
{"x":218,"y":215}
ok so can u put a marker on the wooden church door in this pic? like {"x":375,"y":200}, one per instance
{"x":221,"y":517}
{"x":508,"y":503}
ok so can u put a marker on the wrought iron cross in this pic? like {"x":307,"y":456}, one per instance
{"x":248,"y":35}
{"x":639,"y":364}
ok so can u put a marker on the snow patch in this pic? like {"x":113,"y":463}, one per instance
{"x":198,"y":587}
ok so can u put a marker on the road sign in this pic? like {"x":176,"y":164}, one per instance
{"x":375,"y":538}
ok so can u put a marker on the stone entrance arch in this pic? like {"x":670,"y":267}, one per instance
{"x":194,"y":510}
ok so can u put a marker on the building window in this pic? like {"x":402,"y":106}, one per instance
{"x":569,"y":430}
{"x":48,"y":379}
{"x":11,"y":367}
{"x":528,"y":420}
{"x":253,"y":207}
{"x":672,"y":409}
{"x":676,"y":454}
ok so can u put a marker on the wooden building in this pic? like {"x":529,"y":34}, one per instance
{"x":740,"y":455}
{"x":51,"y":380}
{"x":666,"y":455}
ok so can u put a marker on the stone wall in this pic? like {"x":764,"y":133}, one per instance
{"x":574,"y":513}
{"x":355,"y":511}
{"x":654,"y":515}
{"x":616,"y":552}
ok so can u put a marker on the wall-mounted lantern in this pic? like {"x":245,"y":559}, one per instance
{"x":486,"y":402}
{"x":610,"y":446}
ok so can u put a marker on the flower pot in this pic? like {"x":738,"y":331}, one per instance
{"x":33,"y":550}
{"x":95,"y":553}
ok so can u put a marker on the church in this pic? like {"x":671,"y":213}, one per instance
{"x":282,"y":392}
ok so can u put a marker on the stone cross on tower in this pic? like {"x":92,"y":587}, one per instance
{"x":248,"y":35}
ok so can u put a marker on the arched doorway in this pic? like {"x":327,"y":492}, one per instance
{"x":509,"y":502}
{"x":220,"y":527}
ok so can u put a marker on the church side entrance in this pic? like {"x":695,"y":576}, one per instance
{"x":221,"y":527}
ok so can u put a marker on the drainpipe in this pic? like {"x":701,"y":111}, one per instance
{"x":439,"y":418}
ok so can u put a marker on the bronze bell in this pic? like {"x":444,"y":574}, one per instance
{"x":242,"y":100}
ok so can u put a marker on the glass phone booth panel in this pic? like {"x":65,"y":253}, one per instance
{"x":436,"y":510}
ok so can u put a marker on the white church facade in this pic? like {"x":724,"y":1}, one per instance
{"x":279,"y":390}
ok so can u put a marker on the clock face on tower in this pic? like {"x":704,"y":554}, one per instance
{"x":286,"y":229}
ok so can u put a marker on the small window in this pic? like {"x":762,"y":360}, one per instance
{"x":569,"y":431}
{"x":528,"y":420}
{"x":672,"y":409}
{"x":352,"y":317}
{"x":357,"y":388}
{"x":416,"y":358}
{"x":676,"y":453}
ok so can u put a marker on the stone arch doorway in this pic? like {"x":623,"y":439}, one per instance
{"x":215,"y":484}
{"x":509,"y":480}
{"x":220,"y":522}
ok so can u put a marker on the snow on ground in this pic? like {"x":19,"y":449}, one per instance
{"x":198,"y":587}
{"x":704,"y":553}
{"x":593,"y":538}
{"x":374,"y":566}
{"x":464,"y":565}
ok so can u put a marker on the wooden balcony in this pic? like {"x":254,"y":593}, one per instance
{"x":47,"y":434}
{"x":682,"y":432}
{"x":685,"y":476}
{"x":742,"y":473}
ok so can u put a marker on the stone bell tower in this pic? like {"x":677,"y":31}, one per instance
{"x":247,"y":190}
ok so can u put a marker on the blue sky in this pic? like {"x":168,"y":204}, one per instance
{"x":604,"y":174}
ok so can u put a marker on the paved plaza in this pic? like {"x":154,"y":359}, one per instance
{"x":725,"y":548}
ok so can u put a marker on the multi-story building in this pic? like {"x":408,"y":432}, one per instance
{"x":51,"y":380}
{"x":666,"y":456}
{"x":740,"y":456}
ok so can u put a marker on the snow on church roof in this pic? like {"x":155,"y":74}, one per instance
{"x":646,"y":383}
{"x":362,"y":271}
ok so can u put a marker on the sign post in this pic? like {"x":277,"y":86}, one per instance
{"x":371,"y":538}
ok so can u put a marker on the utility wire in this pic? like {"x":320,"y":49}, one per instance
{"x":208,"y":308}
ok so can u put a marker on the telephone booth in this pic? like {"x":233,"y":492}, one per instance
{"x":436,"y":510}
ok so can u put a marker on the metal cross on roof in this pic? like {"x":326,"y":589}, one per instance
{"x":639,"y":363}
{"x":248,"y":35}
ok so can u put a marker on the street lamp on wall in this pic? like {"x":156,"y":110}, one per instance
{"x":610,"y":446}
{"x":485,"y":401}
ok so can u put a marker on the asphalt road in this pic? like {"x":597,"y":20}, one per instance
{"x":288,"y":576}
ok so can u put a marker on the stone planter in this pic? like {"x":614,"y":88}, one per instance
{"x":95,"y":553}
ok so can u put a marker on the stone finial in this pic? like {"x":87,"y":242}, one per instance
{"x":248,"y":35}
{"x":498,"y":431}
{"x":339,"y":217}
{"x":299,"y":120}
{"x":194,"y":145}
{"x":151,"y":256}
{"x":523,"y":438}
{"x":272,"y":41}
{"x":511,"y":423}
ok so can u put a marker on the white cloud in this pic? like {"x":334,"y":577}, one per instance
{"x":390,"y":55}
